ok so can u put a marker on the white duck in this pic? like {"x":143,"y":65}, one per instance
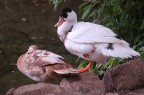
{"x":90,"y":41}
{"x":42,"y":65}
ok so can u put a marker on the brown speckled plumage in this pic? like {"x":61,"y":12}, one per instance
{"x":42,"y":65}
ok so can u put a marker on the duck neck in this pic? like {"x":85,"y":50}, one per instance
{"x":64,"y":29}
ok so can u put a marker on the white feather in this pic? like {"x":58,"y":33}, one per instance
{"x":50,"y":57}
{"x":90,"y":30}
{"x":86,"y":36}
{"x":118,"y":51}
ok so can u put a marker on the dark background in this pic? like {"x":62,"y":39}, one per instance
{"x":23,"y":23}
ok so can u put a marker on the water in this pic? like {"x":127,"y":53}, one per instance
{"x":23,"y":23}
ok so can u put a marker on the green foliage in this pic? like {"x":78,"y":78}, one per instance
{"x":55,"y":3}
{"x":125,"y":17}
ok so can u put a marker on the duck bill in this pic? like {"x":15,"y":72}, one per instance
{"x":60,"y":22}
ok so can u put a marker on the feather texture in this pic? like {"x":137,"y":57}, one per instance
{"x":99,"y":43}
{"x":42,"y":65}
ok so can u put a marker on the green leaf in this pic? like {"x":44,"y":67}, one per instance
{"x":141,"y":49}
{"x":93,"y":14}
{"x":142,"y":25}
{"x":86,"y":11}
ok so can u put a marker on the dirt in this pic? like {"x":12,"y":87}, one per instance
{"x":23,"y":23}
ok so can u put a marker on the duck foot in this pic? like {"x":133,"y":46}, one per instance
{"x":81,"y":70}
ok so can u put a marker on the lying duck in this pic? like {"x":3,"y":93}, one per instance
{"x":42,"y":65}
{"x":90,"y":41}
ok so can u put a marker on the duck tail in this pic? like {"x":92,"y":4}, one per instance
{"x":66,"y":71}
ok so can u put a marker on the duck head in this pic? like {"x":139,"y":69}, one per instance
{"x":30,"y":51}
{"x":67,"y":19}
{"x":32,"y":48}
{"x":66,"y":15}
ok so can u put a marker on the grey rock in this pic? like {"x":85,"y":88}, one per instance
{"x":127,"y":76}
{"x":85,"y":84}
{"x":125,"y":79}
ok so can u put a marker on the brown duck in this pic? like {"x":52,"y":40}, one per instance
{"x":42,"y":65}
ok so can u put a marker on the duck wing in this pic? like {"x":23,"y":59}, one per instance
{"x":44,"y":57}
{"x":117,"y":50}
{"x":66,"y":71}
{"x":85,"y":32}
{"x":85,"y":36}
{"x":61,"y":66}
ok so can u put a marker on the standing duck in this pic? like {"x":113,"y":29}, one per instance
{"x":42,"y":65}
{"x":90,"y":41}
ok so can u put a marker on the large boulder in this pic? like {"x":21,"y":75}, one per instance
{"x":127,"y":76}
{"x":85,"y":84}
{"x":41,"y":89}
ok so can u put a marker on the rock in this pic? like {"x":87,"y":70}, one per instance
{"x":87,"y":84}
{"x":127,"y":92}
{"x":127,"y":76}
{"x":134,"y":92}
{"x":112,"y":93}
{"x":41,"y":89}
{"x":124,"y":78}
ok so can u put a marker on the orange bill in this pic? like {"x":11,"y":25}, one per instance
{"x":60,"y":22}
